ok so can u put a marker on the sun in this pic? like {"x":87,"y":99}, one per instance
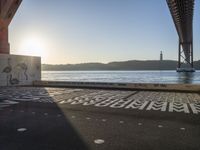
{"x":33,"y":46}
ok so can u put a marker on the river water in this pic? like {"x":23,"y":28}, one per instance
{"x":123,"y":76}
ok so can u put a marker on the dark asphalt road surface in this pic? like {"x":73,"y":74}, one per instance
{"x":53,"y":126}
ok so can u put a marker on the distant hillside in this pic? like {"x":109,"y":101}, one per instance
{"x":123,"y":65}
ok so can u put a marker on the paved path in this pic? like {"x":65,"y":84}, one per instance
{"x":78,"y":119}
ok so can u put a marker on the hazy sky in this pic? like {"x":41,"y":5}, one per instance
{"x":79,"y":31}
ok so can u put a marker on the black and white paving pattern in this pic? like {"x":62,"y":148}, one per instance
{"x":79,"y":119}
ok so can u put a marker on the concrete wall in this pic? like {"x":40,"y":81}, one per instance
{"x":19,"y":70}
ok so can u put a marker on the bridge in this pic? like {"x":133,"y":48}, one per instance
{"x":182,"y":14}
{"x":181,"y":11}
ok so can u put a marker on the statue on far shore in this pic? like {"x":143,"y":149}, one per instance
{"x":8,"y":9}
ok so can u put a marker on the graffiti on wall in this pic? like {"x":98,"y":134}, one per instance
{"x":19,"y":70}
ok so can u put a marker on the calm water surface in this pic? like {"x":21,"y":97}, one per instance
{"x":123,"y":76}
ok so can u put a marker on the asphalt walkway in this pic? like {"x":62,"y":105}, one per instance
{"x":34,"y":118}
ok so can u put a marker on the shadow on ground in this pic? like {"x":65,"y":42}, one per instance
{"x":46,"y":126}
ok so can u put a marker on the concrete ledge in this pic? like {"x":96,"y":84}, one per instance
{"x":124,"y":86}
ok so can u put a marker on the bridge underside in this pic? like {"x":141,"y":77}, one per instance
{"x":8,"y":9}
{"x":182,"y":14}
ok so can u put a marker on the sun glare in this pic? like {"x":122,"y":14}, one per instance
{"x":33,"y":46}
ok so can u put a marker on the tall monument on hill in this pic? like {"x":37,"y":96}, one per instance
{"x":8,"y":9}
{"x":161,"y":56}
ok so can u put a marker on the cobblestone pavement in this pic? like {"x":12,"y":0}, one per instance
{"x":37,"y":118}
{"x":114,"y":99}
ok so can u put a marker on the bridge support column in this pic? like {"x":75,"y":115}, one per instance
{"x":4,"y":45}
{"x":185,"y":57}
{"x":179,"y":55}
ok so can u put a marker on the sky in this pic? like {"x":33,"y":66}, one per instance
{"x":81,"y":31}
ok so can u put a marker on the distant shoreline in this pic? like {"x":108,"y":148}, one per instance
{"x":132,"y":65}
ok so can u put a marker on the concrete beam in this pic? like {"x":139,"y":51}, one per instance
{"x":8,"y":9}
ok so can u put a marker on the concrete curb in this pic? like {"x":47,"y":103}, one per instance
{"x":195,"y":88}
